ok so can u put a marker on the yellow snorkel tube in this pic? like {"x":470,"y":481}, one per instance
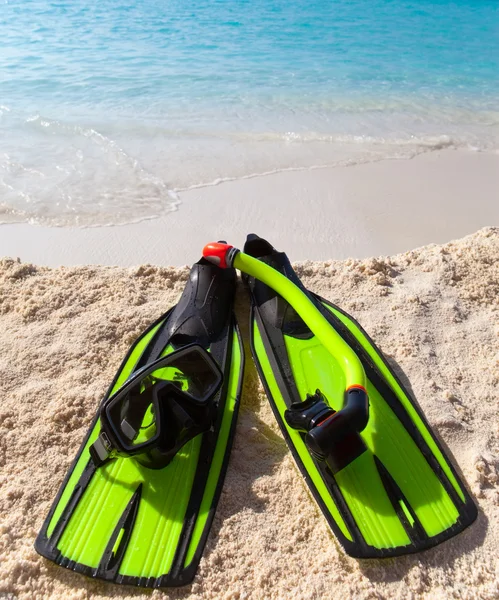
{"x":225,"y":255}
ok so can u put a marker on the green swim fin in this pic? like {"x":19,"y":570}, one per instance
{"x":377,"y":471}
{"x":138,"y":502}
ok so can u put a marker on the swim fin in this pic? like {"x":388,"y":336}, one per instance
{"x":143,"y":517}
{"x":371,"y":461}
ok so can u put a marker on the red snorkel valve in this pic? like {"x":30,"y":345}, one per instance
{"x":220,"y":254}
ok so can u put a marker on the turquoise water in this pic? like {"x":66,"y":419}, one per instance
{"x":107,"y":109}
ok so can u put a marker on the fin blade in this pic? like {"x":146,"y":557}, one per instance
{"x":125,"y":523}
{"x":414,"y":496}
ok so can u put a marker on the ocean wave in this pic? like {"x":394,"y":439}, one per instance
{"x":424,"y":146}
{"x":60,"y":173}
{"x":68,"y":172}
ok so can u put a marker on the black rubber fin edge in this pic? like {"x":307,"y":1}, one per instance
{"x":468,"y":510}
{"x":178,"y":576}
{"x":353,"y":548}
{"x":47,"y":546}
{"x":358,"y":547}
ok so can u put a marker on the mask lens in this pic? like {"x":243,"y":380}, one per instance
{"x":133,"y":410}
{"x":194,"y":373}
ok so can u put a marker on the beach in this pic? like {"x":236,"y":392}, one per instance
{"x":362,"y":139}
{"x":434,"y":313}
{"x":357,"y":211}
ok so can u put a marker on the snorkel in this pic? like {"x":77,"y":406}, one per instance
{"x":324,"y":426}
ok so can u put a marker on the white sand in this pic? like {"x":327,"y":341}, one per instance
{"x":358,"y":211}
{"x":434,"y":311}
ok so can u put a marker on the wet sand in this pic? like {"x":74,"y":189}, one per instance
{"x":358,"y":211}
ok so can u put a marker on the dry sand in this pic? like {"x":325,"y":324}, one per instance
{"x":434,"y":311}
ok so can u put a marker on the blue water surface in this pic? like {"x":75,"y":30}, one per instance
{"x":135,"y":99}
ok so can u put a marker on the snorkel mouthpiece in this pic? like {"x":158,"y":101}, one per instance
{"x":332,"y":436}
{"x":220,"y":254}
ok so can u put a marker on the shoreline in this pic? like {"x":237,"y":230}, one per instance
{"x":356,"y":211}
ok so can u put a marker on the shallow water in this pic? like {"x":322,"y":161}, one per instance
{"x":108,"y":108}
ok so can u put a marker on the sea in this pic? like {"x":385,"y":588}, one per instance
{"x":110,"y":109}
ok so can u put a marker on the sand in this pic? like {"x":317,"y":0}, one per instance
{"x":357,"y":211}
{"x":434,"y":312}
